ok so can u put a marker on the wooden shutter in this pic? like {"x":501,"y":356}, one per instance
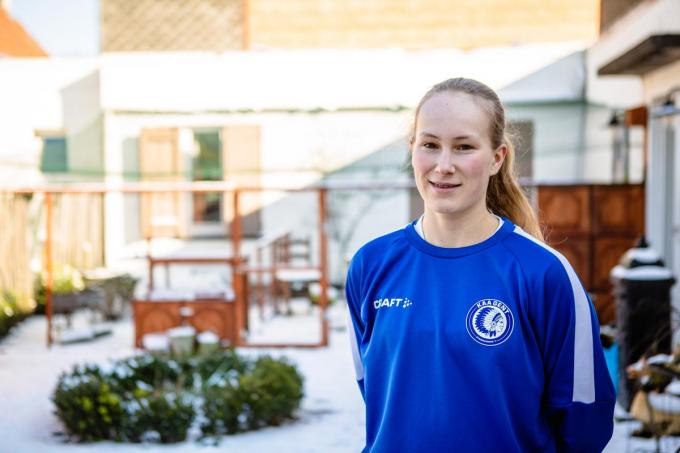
{"x":241,"y":164}
{"x":162,"y":214}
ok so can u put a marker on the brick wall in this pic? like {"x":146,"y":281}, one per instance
{"x":172,"y":25}
{"x":419,"y":23}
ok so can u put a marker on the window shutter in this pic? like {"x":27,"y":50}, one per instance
{"x":241,"y":165}
{"x":160,"y":160}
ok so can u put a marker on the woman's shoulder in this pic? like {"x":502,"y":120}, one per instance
{"x":534,"y":255}
{"x":380,"y":246}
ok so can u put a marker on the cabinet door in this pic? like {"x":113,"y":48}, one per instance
{"x":608,"y":252}
{"x":564,"y":208}
{"x":215,"y":316}
{"x":618,"y":210}
{"x":577,"y":251}
{"x":153,"y":316}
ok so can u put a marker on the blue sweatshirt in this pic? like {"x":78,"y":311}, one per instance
{"x":490,"y":347}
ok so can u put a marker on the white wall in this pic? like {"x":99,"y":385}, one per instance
{"x":573,"y":143}
{"x":648,"y":18}
{"x":290,"y":143}
{"x":30,"y":100}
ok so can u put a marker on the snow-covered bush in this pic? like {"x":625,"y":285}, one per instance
{"x":88,"y":407}
{"x":271,"y":392}
{"x":152,"y":398}
{"x":266,"y":395}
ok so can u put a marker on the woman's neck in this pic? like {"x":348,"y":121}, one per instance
{"x":445,"y":231}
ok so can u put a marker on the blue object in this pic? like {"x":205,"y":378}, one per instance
{"x":490,"y":347}
{"x":611,"y":356}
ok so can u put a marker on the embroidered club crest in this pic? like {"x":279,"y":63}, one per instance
{"x":489,"y":322}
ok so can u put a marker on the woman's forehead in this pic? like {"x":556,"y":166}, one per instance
{"x":452,"y":114}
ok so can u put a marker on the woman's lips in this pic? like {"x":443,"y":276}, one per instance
{"x":443,"y":187}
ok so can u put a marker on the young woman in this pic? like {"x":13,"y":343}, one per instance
{"x":471,"y":334}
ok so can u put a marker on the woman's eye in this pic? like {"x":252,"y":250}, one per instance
{"x":429,"y":145}
{"x":464,"y":147}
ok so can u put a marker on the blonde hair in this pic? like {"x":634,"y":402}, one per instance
{"x":504,"y":196}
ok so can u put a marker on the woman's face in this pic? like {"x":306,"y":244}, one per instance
{"x":452,"y":154}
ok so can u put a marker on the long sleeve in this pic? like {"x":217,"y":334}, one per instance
{"x":579,"y":392}
{"x":356,"y":326}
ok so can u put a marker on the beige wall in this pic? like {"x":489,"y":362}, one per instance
{"x":219,"y":25}
{"x":165,"y":25}
{"x":419,"y":23}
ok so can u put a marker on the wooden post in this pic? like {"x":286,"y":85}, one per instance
{"x":48,"y":266}
{"x":238,"y":282}
{"x":323,"y":254}
{"x":259,"y":285}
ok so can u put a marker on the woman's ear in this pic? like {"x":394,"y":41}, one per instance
{"x":498,"y":158}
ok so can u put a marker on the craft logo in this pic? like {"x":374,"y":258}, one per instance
{"x":489,"y":322}
{"x":394,"y":302}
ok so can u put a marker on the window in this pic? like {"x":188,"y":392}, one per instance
{"x":207,"y":166}
{"x":54,"y":158}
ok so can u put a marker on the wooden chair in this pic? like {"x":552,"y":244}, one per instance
{"x":293,"y":270}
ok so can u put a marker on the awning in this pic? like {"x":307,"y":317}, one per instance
{"x":652,"y":53}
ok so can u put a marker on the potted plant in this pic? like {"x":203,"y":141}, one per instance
{"x":67,"y":283}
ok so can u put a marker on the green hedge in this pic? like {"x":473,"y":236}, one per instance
{"x":10,"y":312}
{"x":152,"y":398}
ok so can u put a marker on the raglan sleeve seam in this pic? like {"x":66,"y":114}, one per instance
{"x":525,"y":281}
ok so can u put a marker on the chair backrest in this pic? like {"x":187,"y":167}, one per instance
{"x":290,"y":250}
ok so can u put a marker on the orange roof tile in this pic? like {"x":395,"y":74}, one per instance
{"x":15,"y":41}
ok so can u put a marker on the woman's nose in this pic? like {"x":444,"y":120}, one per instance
{"x":445,"y":163}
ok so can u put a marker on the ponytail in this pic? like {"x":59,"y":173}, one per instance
{"x":505,"y":197}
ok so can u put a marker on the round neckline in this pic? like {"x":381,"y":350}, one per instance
{"x":452,"y":252}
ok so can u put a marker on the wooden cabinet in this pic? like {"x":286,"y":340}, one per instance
{"x":618,"y":210}
{"x":565,"y":210}
{"x":217,"y":316}
{"x":593,"y":226}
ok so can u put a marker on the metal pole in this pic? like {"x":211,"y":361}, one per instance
{"x":48,"y":266}
{"x":149,"y":259}
{"x":323,"y":255}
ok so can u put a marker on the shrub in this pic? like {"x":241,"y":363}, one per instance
{"x":10,"y":312}
{"x":158,"y":398}
{"x":222,"y":409}
{"x":168,"y":415}
{"x":87,"y":406}
{"x":148,"y":371}
{"x":271,"y":393}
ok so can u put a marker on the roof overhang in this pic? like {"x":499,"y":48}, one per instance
{"x":652,"y":53}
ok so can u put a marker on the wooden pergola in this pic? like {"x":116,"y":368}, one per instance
{"x":237,"y":260}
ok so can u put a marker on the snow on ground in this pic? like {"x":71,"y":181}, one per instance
{"x":331,"y":418}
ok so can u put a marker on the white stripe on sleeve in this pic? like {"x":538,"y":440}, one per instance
{"x":584,"y":368}
{"x":358,"y":364}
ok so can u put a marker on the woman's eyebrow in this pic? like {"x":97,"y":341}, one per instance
{"x":460,"y":137}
